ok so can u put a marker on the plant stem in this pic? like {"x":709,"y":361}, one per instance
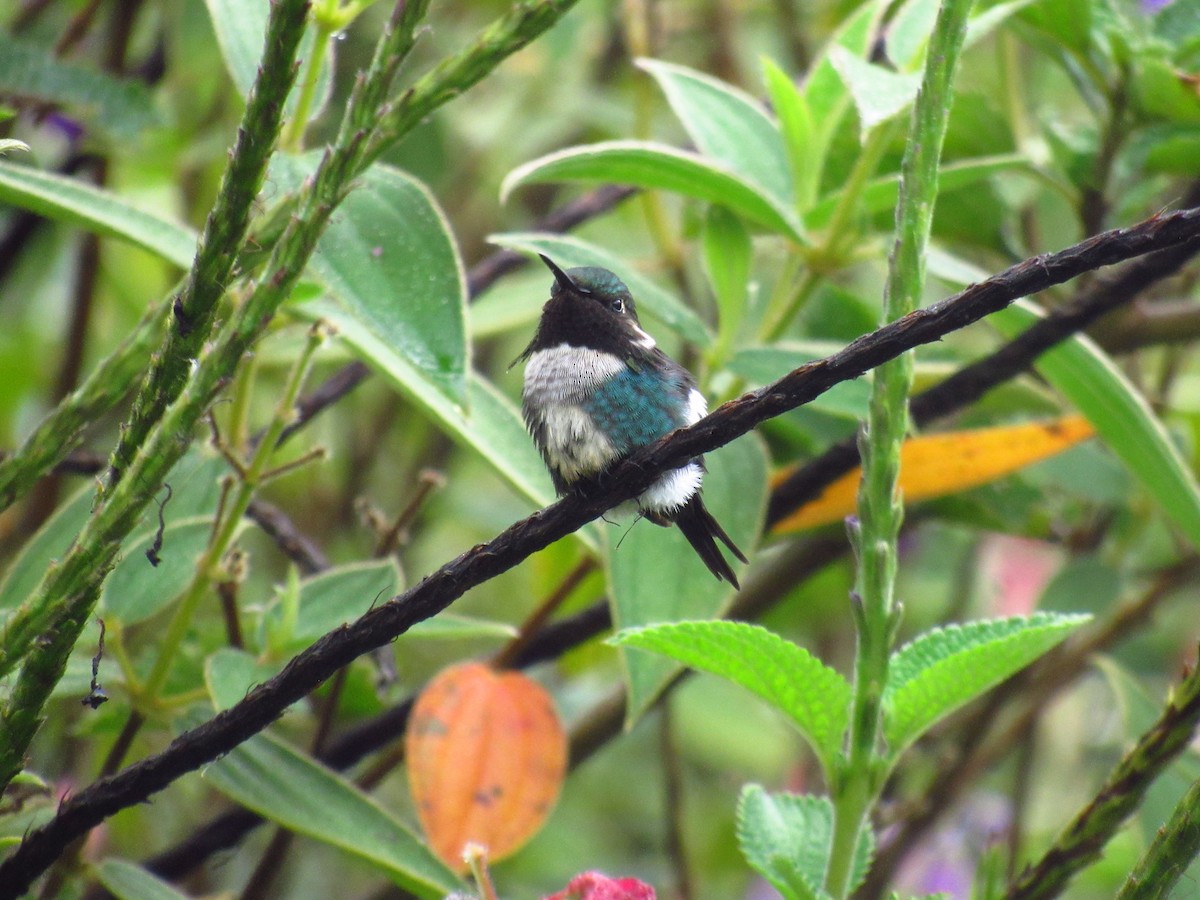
{"x":1169,"y":855}
{"x":194,"y":308}
{"x":208,"y":569}
{"x":1084,"y":838}
{"x":881,"y":510}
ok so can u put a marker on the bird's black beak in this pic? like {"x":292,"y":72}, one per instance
{"x":562,"y":278}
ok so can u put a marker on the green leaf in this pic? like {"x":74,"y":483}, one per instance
{"x":278,"y":782}
{"x":230,"y":673}
{"x":331,"y":599}
{"x":137,"y":590}
{"x":761,"y":366}
{"x":947,"y":667}
{"x":571,"y":251}
{"x":77,"y":203}
{"x":241,"y":30}
{"x":390,"y":260}
{"x":787,"y":838}
{"x":490,"y":424}
{"x":129,"y":881}
{"x":121,"y":108}
{"x":880,"y":194}
{"x":195,"y":492}
{"x":728,"y":254}
{"x":824,"y":89}
{"x":650,"y":165}
{"x":728,"y":125}
{"x":878,"y":93}
{"x":796,"y":127}
{"x":1122,"y":418}
{"x":908,"y":32}
{"x":656,"y":576}
{"x":815,"y":697}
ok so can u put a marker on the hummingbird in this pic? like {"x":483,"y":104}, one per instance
{"x":597,"y":388}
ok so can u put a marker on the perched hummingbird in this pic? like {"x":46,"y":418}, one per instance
{"x":597,"y":388}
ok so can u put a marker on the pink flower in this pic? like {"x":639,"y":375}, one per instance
{"x":594,"y":886}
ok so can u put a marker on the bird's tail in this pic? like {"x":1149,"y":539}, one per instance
{"x":699,"y":527}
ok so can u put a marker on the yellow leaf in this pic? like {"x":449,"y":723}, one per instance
{"x":938,"y":464}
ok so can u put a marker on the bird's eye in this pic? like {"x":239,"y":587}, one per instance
{"x":617,"y":305}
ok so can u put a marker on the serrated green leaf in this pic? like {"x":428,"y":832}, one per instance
{"x":78,"y":203}
{"x":241,"y":30}
{"x":570,"y":251}
{"x":727,"y":124}
{"x":787,"y":839}
{"x":122,"y":108}
{"x":815,"y":697}
{"x":1123,"y":420}
{"x":280,"y":783}
{"x":129,"y":881}
{"x":656,"y":576}
{"x":651,"y":165}
{"x":943,"y":669}
{"x":390,"y":260}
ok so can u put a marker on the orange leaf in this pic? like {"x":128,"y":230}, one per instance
{"x":938,"y":464}
{"x":486,"y":759}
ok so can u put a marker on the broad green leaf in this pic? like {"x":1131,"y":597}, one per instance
{"x":571,"y":251}
{"x":878,"y":93}
{"x":815,"y":697}
{"x":728,"y":254}
{"x":78,"y":203}
{"x":650,"y":165}
{"x":230,"y":673}
{"x":241,"y":29}
{"x":656,"y":576}
{"x":121,"y":108}
{"x":942,"y":669}
{"x":1122,"y":418}
{"x":787,"y":838}
{"x":796,"y":128}
{"x":728,"y":125}
{"x":761,"y":366}
{"x":880,"y":194}
{"x":335,"y":597}
{"x":195,"y":491}
{"x":490,"y":425}
{"x":283,"y":785}
{"x":137,"y":590}
{"x":390,"y":260}
{"x":129,"y":881}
